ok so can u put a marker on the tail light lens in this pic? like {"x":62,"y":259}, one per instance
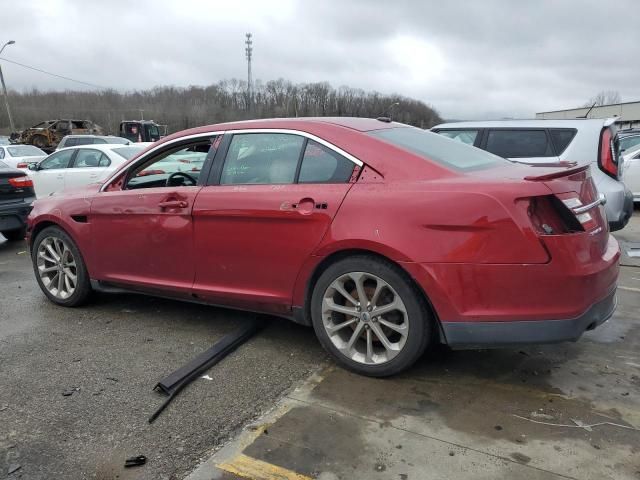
{"x":21,"y":182}
{"x":22,"y":165}
{"x":550,"y":216}
{"x":608,"y":155}
{"x":564,"y":213}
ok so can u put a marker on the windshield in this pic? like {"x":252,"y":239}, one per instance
{"x":431,"y":146}
{"x":128,"y":152}
{"x":25,"y":151}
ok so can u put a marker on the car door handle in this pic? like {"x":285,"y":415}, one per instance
{"x":173,"y":204}
{"x":60,"y":177}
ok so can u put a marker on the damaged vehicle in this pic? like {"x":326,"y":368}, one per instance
{"x":47,"y":135}
{"x":385,"y":238}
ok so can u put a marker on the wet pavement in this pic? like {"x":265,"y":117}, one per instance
{"x":76,"y":392}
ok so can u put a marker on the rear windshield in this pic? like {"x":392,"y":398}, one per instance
{"x":128,"y":152}
{"x":3,"y":165}
{"x":25,"y":151}
{"x":438,"y":148}
{"x":120,"y":140}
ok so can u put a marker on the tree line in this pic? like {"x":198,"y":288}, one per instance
{"x":227,"y":100}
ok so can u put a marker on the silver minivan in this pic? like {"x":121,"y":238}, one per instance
{"x":585,"y":141}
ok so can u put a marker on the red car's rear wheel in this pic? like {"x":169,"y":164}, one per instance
{"x":369,"y":316}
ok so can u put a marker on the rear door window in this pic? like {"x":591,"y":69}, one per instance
{"x":88,"y":158}
{"x":519,"y":143}
{"x":464,"y":136}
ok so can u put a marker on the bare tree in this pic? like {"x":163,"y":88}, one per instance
{"x":224,"y":101}
{"x":605,"y":97}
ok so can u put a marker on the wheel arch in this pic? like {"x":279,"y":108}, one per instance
{"x":302,"y":314}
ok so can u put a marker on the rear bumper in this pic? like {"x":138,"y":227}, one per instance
{"x":504,"y":334}
{"x":620,"y":219}
{"x":14,"y":215}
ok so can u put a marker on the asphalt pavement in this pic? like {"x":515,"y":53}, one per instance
{"x":76,"y":384}
{"x":76,"y":393}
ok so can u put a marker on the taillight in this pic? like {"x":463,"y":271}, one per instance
{"x":574,"y":205}
{"x":550,"y":216}
{"x":608,"y":158}
{"x":22,"y":165}
{"x":21,"y":182}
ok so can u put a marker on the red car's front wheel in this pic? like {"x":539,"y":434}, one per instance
{"x":59,"y":268}
{"x":369,"y":316}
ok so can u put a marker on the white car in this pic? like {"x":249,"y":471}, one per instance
{"x":631,"y":171}
{"x":20,"y":156}
{"x":77,"y":166}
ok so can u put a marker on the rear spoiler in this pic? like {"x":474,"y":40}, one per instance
{"x":570,"y":168}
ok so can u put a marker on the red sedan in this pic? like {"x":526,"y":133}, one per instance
{"x":383,"y":237}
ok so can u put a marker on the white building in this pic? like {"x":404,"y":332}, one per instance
{"x":627,"y":113}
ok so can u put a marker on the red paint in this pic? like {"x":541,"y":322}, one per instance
{"x":466,"y":238}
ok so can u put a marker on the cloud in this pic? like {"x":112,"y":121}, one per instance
{"x":484,"y":59}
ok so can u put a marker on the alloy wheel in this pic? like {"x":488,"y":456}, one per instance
{"x":57,"y":267}
{"x":365,"y":318}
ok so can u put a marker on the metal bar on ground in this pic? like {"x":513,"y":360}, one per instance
{"x":173,"y":383}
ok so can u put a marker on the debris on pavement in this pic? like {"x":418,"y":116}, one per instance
{"x":135,"y":461}
{"x":579,"y":424}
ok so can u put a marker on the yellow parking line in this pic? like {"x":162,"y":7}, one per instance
{"x":629,"y":289}
{"x":254,"y":469}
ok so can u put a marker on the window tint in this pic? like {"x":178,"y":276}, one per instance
{"x":322,"y":165}
{"x":627,"y":143}
{"x":173,"y":168}
{"x":57,"y":160}
{"x":519,"y":143}
{"x":437,"y":148}
{"x":87,"y":158}
{"x":561,"y":138}
{"x":464,"y":136}
{"x":262,"y":158}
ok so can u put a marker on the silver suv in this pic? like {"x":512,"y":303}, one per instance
{"x":585,"y":141}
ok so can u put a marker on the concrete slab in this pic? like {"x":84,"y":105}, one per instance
{"x":486,"y":414}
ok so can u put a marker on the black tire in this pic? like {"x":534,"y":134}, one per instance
{"x":15,"y":235}
{"x":83,"y":284}
{"x":39,"y":141}
{"x":419,"y":318}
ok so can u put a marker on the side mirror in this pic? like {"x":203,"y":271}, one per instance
{"x":33,"y":166}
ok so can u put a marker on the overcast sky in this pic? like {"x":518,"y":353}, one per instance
{"x":469,"y":59}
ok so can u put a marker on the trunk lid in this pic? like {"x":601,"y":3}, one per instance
{"x":13,"y":186}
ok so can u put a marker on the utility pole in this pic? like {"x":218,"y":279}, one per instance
{"x":4,"y":90}
{"x":248,"y":52}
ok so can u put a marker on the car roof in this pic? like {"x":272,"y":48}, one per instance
{"x":93,"y":136}
{"x":532,"y":123}
{"x":99,"y":146}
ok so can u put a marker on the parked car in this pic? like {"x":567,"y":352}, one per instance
{"x":16,"y":196}
{"x":585,"y":141}
{"x":20,"y":156}
{"x":631,"y":171}
{"x":46,"y":135}
{"x":77,"y":140}
{"x":385,"y":238}
{"x":629,"y":139}
{"x":78,"y":166}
